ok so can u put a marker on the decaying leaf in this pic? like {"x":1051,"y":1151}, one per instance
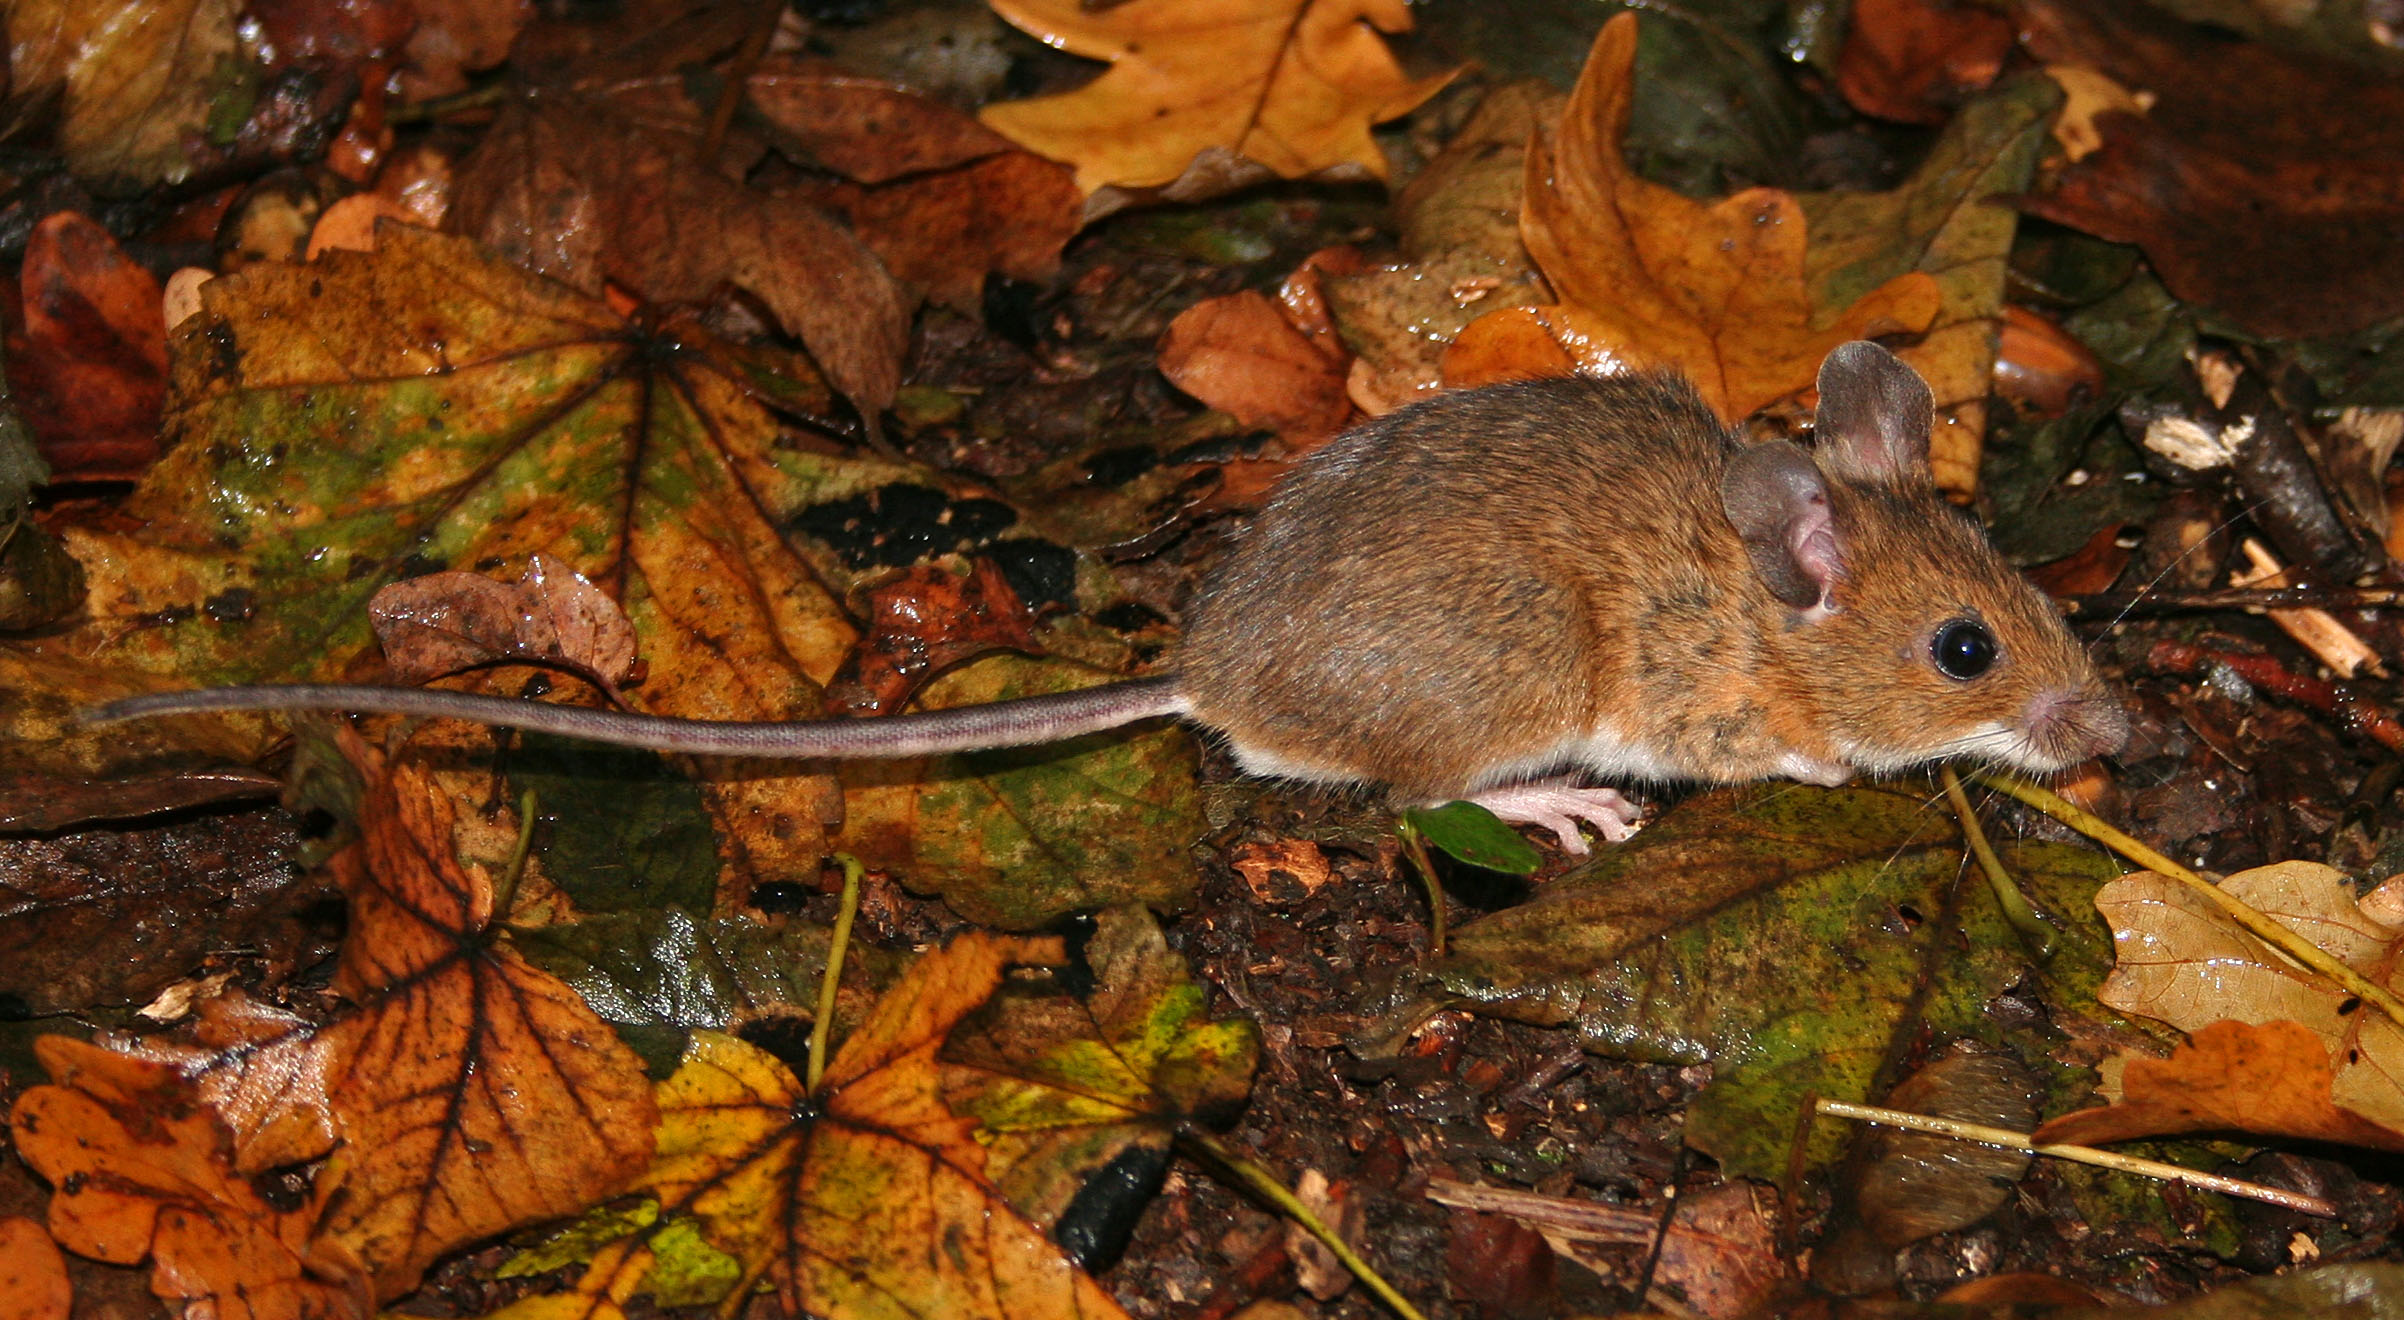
{"x":1293,"y":85}
{"x":1917,"y":60}
{"x":2263,"y":183}
{"x":585,"y":190}
{"x":2182,"y":961}
{"x":90,"y":370}
{"x":461,"y":1093}
{"x":1648,"y":278}
{"x":1764,"y":931}
{"x":443,"y":623}
{"x":33,"y":1275}
{"x":1244,"y":355}
{"x":141,"y":1168}
{"x":140,"y":80}
{"x":869,"y":1198}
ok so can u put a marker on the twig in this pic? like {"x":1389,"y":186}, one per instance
{"x":1995,"y":1136}
{"x":2148,"y":604}
{"x":2372,"y":719}
{"x":1252,"y":1175}
{"x":2262,"y":927}
{"x":2031,"y":928}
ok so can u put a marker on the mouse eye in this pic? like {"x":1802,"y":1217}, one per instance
{"x":1963,"y":649}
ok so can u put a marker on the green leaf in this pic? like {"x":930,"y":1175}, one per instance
{"x":617,"y":828}
{"x":1468,"y":832}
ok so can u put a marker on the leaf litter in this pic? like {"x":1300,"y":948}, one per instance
{"x":682,"y":436}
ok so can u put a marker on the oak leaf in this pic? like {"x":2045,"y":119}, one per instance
{"x":1648,"y":278}
{"x":142,"y":1168}
{"x":1293,"y":85}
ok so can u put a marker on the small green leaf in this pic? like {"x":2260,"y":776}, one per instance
{"x":1468,"y":832}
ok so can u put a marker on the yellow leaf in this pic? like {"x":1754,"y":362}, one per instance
{"x":1291,"y":84}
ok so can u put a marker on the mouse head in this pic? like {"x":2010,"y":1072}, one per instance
{"x":1903,"y":631}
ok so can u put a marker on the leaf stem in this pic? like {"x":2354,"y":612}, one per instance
{"x":1266,"y":1186}
{"x":505,"y":891}
{"x":1416,"y":848}
{"x":2032,"y":928}
{"x":1995,"y":1136}
{"x":821,"y":1029}
{"x":2253,"y":920}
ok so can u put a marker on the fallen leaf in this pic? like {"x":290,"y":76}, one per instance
{"x":1907,"y":1186}
{"x":579,"y":188}
{"x":443,"y":623}
{"x":2263,"y":183}
{"x":461,"y":1093}
{"x":1293,"y":85}
{"x":1243,"y":355}
{"x":1019,"y":838}
{"x":142,"y":1169}
{"x":2183,"y":962}
{"x":1071,"y":1089}
{"x":90,"y":371}
{"x":33,"y":1275}
{"x":1915,"y":61}
{"x":139,"y":81}
{"x":924,"y":622}
{"x":1648,"y":278}
{"x":868,"y":1198}
{"x":1952,"y":222}
{"x":2273,"y":1080}
{"x":454,"y":38}
{"x":1783,"y":935}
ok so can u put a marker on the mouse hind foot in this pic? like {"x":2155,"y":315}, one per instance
{"x":1559,"y":804}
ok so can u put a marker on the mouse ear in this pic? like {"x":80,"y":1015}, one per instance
{"x":1874,"y":415}
{"x":1777,"y":501}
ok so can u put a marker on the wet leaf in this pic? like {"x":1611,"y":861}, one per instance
{"x":870,"y":1198}
{"x":1293,"y":85}
{"x":143,"y":1169}
{"x":2182,"y":961}
{"x":586,"y":190}
{"x":462,"y":1092}
{"x":89,"y":371}
{"x":670,"y":968}
{"x":619,"y":829}
{"x":1648,"y":278}
{"x":444,"y":623}
{"x":33,"y":1276}
{"x":1952,"y":221}
{"x":140,"y":82}
{"x":1018,"y":838}
{"x":1784,"y":935}
{"x":1069,"y":1087}
{"x":2261,"y":183}
{"x":925,"y":621}
{"x":1472,"y":834}
{"x":1244,"y":355}
{"x":1917,"y":60}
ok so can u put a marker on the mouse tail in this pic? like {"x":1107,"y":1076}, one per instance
{"x":1022,"y":722}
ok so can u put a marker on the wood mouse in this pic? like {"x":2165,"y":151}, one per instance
{"x":1491,"y":592}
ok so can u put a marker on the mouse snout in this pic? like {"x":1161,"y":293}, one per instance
{"x":2065,"y":728}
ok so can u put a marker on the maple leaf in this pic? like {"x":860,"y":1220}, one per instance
{"x":1293,"y":85}
{"x":462,"y":1093}
{"x":143,"y":1169}
{"x":1649,"y":278}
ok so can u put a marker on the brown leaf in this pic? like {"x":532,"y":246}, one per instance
{"x":442,"y":623}
{"x":1244,"y":355}
{"x":1291,"y":84}
{"x":575,"y":188}
{"x":2264,"y":183}
{"x":1915,"y":60}
{"x":90,"y":372}
{"x":463,"y":1092}
{"x":142,"y":1169}
{"x":924,"y":622}
{"x":138,"y":80}
{"x":33,"y":1276}
{"x":454,"y":38}
{"x":2273,"y":1079}
{"x":944,"y":232}
{"x":867,"y":131}
{"x":1648,"y":278}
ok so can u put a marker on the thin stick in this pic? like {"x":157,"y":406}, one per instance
{"x":1252,"y":1175}
{"x":2262,"y":927}
{"x":1995,"y":1136}
{"x":2032,"y":929}
{"x":825,"y":1025}
{"x":2140,"y":604}
{"x":1416,"y":847}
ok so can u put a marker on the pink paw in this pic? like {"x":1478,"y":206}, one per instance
{"x":1557,"y":805}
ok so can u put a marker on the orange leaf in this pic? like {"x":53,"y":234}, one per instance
{"x":91,"y":369}
{"x":1243,"y":355}
{"x":1649,"y":278}
{"x":33,"y":1276}
{"x":2271,"y":1079}
{"x":142,"y":1168}
{"x":1293,"y":85}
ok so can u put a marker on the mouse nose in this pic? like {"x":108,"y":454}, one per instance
{"x":2076,"y":726}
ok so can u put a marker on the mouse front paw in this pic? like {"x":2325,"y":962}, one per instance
{"x":1558,"y":805}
